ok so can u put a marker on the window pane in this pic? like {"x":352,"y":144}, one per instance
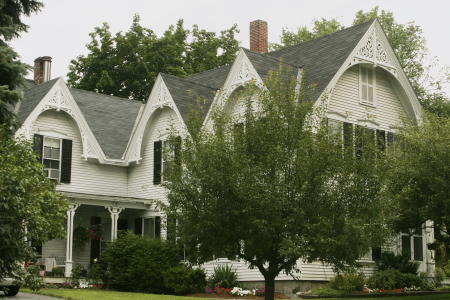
{"x":54,"y":174}
{"x":363,"y":75}
{"x":46,"y":163}
{"x":55,"y":153}
{"x":369,"y":77}
{"x":47,"y":142}
{"x":47,"y":152}
{"x":364,"y":93}
{"x":370,"y":95}
{"x":55,"y":143}
{"x":406,"y":244}
{"x":418,"y":248}
{"x":54,"y":164}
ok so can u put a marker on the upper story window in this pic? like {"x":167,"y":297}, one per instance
{"x":52,"y":157}
{"x":55,"y":154}
{"x":160,"y":165}
{"x":367,"y":85}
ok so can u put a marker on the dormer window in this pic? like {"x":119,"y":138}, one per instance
{"x":367,"y":85}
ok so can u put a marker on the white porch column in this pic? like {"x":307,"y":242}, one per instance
{"x":114,"y":211}
{"x":69,"y":245}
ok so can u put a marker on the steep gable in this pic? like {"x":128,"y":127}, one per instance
{"x":33,"y":96}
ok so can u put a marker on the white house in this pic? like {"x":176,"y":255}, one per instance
{"x":105,"y":150}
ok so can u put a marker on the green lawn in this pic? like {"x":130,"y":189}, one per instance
{"x":113,"y":295}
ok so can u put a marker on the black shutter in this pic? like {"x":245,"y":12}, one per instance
{"x":359,"y":133}
{"x":177,"y":149}
{"x":418,"y":248}
{"x":348,"y":138}
{"x":138,"y":226}
{"x":390,"y":139}
{"x":157,"y":162}
{"x":406,"y":244}
{"x":171,"y":229}
{"x":66,"y":161}
{"x":38,"y":145}
{"x":158,"y":226}
{"x":376,"y":254}
{"x":381,"y":139}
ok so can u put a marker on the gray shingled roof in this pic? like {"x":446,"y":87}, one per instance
{"x":321,"y":58}
{"x":214,"y":78}
{"x":185,"y":92}
{"x":110,"y":118}
{"x":33,"y":96}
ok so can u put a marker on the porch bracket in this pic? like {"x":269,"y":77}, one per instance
{"x":114,"y":211}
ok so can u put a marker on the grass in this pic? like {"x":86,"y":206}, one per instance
{"x":113,"y":295}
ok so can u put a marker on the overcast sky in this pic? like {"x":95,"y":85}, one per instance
{"x":62,"y":29}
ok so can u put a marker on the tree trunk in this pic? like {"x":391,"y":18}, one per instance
{"x":270,"y":286}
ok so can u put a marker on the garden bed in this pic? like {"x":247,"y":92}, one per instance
{"x":377,"y":295}
{"x":278,"y":295}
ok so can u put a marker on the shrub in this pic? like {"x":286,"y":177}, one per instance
{"x":401,"y":262}
{"x":136,"y":263}
{"x":77,"y":274}
{"x":58,"y":271}
{"x":96,"y":273}
{"x":224,"y":276}
{"x":447,"y":269}
{"x":183,"y":280}
{"x":348,"y":282}
{"x":390,"y":279}
{"x":440,"y":275}
{"x":327,"y":291}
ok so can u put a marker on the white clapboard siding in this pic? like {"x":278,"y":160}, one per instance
{"x":345,"y":98}
{"x":88,"y":178}
{"x":140,"y":177}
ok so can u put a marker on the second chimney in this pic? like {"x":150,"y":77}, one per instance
{"x":258,"y":36}
{"x":43,"y":67}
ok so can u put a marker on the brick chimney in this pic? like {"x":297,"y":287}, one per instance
{"x":43,"y":67}
{"x":258,"y":36}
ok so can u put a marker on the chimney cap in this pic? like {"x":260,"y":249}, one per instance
{"x":259,"y":36}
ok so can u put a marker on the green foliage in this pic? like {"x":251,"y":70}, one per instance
{"x":324,"y":291}
{"x":447,"y":269}
{"x":420,"y":172}
{"x":401,"y":262}
{"x":348,"y":283}
{"x":440,"y":275}
{"x":248,"y":193}
{"x":183,"y":280}
{"x":96,"y":273}
{"x":58,"y":271}
{"x":391,"y":278}
{"x":127,"y":65}
{"x":224,"y":276}
{"x":29,"y":204}
{"x":11,"y":12}
{"x":28,"y":277}
{"x":137,"y":263}
{"x":81,"y":237}
{"x":77,"y":274}
{"x":320,"y":28}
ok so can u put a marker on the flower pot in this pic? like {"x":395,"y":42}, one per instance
{"x":41,"y":273}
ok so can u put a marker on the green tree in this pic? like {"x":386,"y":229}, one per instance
{"x":273,"y":185}
{"x":127,"y":65}
{"x":421,"y":174}
{"x":424,"y":72}
{"x":12,"y":71}
{"x":320,"y":28}
{"x":30,"y":208}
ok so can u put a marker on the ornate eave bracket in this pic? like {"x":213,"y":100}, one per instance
{"x":136,"y":157}
{"x":88,"y":149}
{"x":163,"y":99}
{"x":244,"y":75}
{"x":373,"y":52}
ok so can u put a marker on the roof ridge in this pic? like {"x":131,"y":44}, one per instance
{"x":44,"y":83}
{"x":268,"y":57}
{"x":190,"y":81}
{"x":323,"y":36}
{"x":202,"y":72}
{"x":105,"y":95}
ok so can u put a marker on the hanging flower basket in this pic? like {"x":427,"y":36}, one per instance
{"x":96,"y":232}
{"x":80,"y":238}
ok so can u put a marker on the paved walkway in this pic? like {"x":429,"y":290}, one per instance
{"x":26,"y":296}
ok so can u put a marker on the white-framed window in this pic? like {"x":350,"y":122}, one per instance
{"x":412,"y":243}
{"x":367,"y":85}
{"x":52,"y":158}
{"x":165,"y":166}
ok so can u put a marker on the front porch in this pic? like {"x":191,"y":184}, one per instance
{"x":114,"y":214}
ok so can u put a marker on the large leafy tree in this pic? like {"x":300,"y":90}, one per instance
{"x":273,"y":185}
{"x":30,"y":208}
{"x":127,"y":65}
{"x":408,"y":43}
{"x":12,"y":71}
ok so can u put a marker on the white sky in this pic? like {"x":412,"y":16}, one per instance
{"x":62,"y":29}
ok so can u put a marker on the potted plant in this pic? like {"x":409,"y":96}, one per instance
{"x":57,"y":272}
{"x":96,"y":232}
{"x":81,"y":236}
